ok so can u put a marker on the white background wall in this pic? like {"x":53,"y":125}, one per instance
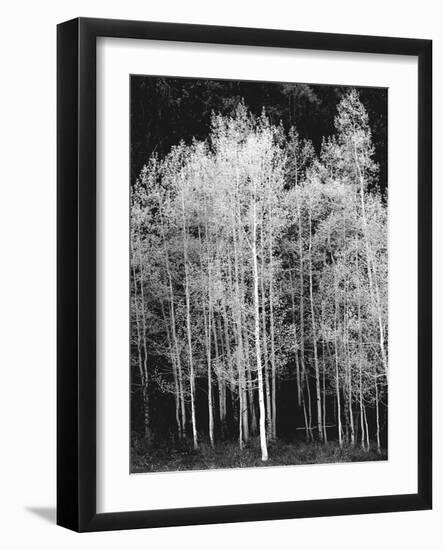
{"x":27,"y":273}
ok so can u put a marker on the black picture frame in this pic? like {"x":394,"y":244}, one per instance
{"x":76,"y":278}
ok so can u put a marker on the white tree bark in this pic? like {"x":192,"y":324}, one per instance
{"x":261,"y":400}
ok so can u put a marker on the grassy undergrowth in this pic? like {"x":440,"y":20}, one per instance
{"x":227,"y":454}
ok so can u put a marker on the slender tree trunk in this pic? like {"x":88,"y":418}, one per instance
{"x":369,"y":262}
{"x":360,"y":352}
{"x":337,"y":379}
{"x":243,"y":329}
{"x":381,"y":327}
{"x":179,"y":373}
{"x":209,"y":361}
{"x":174,"y":369}
{"x":265,"y":338}
{"x":252,"y":414}
{"x":302,"y":323}
{"x":177,"y":402}
{"x":137,"y":325}
{"x":272,"y":338}
{"x":368,"y":444}
{"x":232,"y":351}
{"x":377,"y":415}
{"x":252,"y":424}
{"x":145,"y":393}
{"x":210,"y":405}
{"x":143,"y":378}
{"x":243,"y":390}
{"x":207,"y":322}
{"x":240,"y":417}
{"x":362,"y":427}
{"x":325,"y":435}
{"x":308,"y":393}
{"x":188,"y":325}
{"x":178,"y":376}
{"x":302,"y":399}
{"x":308,"y":432}
{"x":314,"y":336}
{"x":220,"y":377}
{"x":349,"y":375}
{"x":297,"y":365}
{"x":243,"y":407}
{"x":261,"y":401}
{"x":228,"y":342}
{"x":271,"y":313}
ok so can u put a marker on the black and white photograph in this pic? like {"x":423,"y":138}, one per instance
{"x":221,"y":303}
{"x":258,"y":274}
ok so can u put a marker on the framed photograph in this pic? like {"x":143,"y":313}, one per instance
{"x":244,"y":274}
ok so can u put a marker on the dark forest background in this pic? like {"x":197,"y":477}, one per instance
{"x":165,"y":111}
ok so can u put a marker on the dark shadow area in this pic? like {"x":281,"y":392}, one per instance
{"x":46,"y":513}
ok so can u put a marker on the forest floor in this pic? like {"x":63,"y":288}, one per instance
{"x":227,"y":454}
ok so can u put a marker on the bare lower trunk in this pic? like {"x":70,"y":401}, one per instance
{"x":145,"y":348}
{"x":261,"y":400}
{"x":174,"y":372}
{"x":368,"y":444}
{"x":227,"y":341}
{"x":179,"y":373}
{"x":209,"y":359}
{"x":175,"y":349}
{"x":191,"y":367}
{"x":350,"y":411}
{"x":243,"y":390}
{"x":210,"y":406}
{"x":252,"y":414}
{"x":297,"y":365}
{"x":271,"y":313}
{"x":303,"y":404}
{"x":240,"y":418}
{"x":308,"y":393}
{"x":220,"y":377}
{"x":143,"y":381}
{"x":339,"y":426}
{"x":189,"y":329}
{"x":273,"y":367}
{"x":349,"y":379}
{"x":377,"y":416}
{"x":314,"y":337}
{"x":146,"y":412}
{"x":362,"y":426}
{"x":351,"y":414}
{"x":360,"y":352}
{"x":243,"y":406}
{"x":325,"y":435}
{"x":245,"y":350}
{"x":308,"y":412}
{"x":337,"y":379}
{"x":305,"y":416}
{"x":267,"y":383}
